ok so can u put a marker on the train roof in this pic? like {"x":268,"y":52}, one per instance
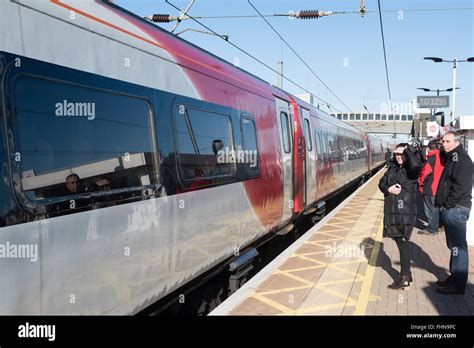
{"x":327,"y":117}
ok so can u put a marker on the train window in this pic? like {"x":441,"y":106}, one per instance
{"x":404,"y":117}
{"x":371,"y":117}
{"x":320,"y":144}
{"x":364,"y":117}
{"x":340,"y":146}
{"x":410,"y":117}
{"x":397,"y":117}
{"x":250,"y":147}
{"x":325,"y":142}
{"x":351,"y":117}
{"x":377,"y":117}
{"x":357,"y":117}
{"x":383,"y":117}
{"x":285,"y":131}
{"x":317,"y":142}
{"x":345,"y":117}
{"x":307,"y":133}
{"x":204,"y":142}
{"x":390,"y":117}
{"x":328,"y":143}
{"x":74,"y":139}
{"x":339,"y":116}
{"x":332,"y":145}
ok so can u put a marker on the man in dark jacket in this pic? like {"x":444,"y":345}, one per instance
{"x":428,"y":186}
{"x":454,"y":199}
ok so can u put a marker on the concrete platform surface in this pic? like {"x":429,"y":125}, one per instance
{"x":342,"y":266}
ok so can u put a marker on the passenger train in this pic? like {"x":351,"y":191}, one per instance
{"x":134,"y":162}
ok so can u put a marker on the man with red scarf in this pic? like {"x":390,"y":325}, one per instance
{"x":428,"y":186}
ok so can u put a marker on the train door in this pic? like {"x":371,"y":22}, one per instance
{"x":319,"y":162}
{"x":285,"y":129}
{"x":323,"y":162}
{"x":310,"y":163}
{"x":299,"y":158}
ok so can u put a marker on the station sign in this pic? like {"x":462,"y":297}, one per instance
{"x":433,"y":102}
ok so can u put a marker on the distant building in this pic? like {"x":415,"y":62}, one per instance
{"x":382,"y":125}
{"x":365,"y":116}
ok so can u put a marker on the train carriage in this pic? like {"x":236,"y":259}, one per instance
{"x":133,"y":161}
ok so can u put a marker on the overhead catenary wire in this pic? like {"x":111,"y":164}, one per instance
{"x":253,"y":57}
{"x":304,"y":14}
{"x":386,"y":67}
{"x":167,"y":18}
{"x":299,"y":56}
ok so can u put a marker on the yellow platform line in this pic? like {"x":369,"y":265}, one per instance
{"x":302,"y":256}
{"x":313,"y":253}
{"x":342,"y":281}
{"x":348,"y":262}
{"x":315,"y":242}
{"x":303,"y":268}
{"x":321,"y":266}
{"x":294,"y":277}
{"x":282,"y":290}
{"x":302,"y":311}
{"x":334,"y":292}
{"x":364,"y":296}
{"x":337,"y":224}
{"x":358,"y":224}
{"x":339,"y":230}
{"x":329,"y":234}
{"x":340,"y":225}
{"x":318,"y":244}
{"x":343,"y":270}
{"x":340,"y":216}
{"x":271,"y":303}
{"x":352,"y":238}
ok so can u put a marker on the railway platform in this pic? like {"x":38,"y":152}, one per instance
{"x":342,"y":266}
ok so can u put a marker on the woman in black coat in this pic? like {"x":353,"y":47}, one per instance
{"x":399,"y":187}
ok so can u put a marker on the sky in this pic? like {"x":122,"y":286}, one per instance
{"x":344,"y":50}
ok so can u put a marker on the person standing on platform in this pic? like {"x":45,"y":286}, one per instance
{"x":428,"y":186}
{"x":417,"y":149}
{"x":399,"y":187}
{"x":388,"y":157}
{"x":454,"y":200}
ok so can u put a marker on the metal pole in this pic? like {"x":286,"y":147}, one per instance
{"x":280,"y":74}
{"x":453,"y":112}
